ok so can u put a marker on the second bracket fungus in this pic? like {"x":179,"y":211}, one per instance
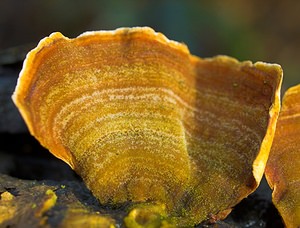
{"x":282,"y":171}
{"x":140,"y":119}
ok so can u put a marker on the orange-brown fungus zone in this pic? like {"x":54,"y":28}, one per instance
{"x":141,"y":119}
{"x":283,"y":167}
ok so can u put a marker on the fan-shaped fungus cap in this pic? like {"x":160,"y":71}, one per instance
{"x":141,"y":119}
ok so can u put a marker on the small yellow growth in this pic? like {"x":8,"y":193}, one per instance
{"x":148,"y":216}
{"x":7,"y":196}
{"x":48,"y":203}
{"x":7,"y":206}
{"x":82,"y":218}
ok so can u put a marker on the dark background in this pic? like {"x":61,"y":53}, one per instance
{"x":254,"y":30}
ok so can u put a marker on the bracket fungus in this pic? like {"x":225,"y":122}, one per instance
{"x":140,"y":119}
{"x":282,"y":171}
